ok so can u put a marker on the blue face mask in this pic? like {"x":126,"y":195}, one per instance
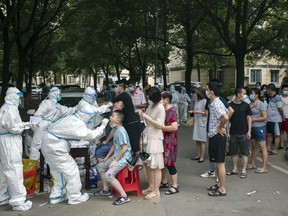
{"x":252,"y":97}
{"x":58,"y":98}
{"x":128,"y":90}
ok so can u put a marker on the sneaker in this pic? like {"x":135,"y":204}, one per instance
{"x":121,"y":200}
{"x":23,"y":207}
{"x":103,"y":193}
{"x":83,"y":198}
{"x":208,"y":174}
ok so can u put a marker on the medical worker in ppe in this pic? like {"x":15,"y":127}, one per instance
{"x":12,"y":190}
{"x":175,"y":99}
{"x":183,"y":108}
{"x":89,"y":99}
{"x":50,"y":111}
{"x":56,"y":148}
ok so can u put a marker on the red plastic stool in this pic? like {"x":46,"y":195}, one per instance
{"x":129,"y":180}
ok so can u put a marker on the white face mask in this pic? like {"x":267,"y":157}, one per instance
{"x":285,"y":92}
{"x":244,"y":97}
{"x":113,"y":125}
{"x":207,"y":94}
{"x":161,"y":101}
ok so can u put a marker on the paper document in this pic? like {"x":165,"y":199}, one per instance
{"x":35,"y":120}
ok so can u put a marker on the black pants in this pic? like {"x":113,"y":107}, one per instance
{"x":134,"y":132}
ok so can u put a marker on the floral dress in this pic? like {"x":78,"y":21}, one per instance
{"x":170,"y":138}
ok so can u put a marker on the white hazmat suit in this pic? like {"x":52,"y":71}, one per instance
{"x":183,"y":108}
{"x":89,"y":99}
{"x":56,"y":148}
{"x":50,"y":111}
{"x":12,"y":189}
{"x":175,"y":99}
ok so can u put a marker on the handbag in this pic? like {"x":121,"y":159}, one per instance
{"x":190,"y":122}
{"x":143,"y":155}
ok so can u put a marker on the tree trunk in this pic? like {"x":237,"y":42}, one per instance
{"x":189,"y":62}
{"x":199,"y":72}
{"x":239,"y":70}
{"x":164,"y":73}
{"x":117,"y":71}
{"x":21,"y":66}
{"x":6,"y":63}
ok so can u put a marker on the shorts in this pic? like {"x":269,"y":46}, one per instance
{"x":110,"y":173}
{"x":258,"y":133}
{"x":285,"y":125}
{"x":238,"y":142}
{"x":217,"y":147}
{"x":273,"y":128}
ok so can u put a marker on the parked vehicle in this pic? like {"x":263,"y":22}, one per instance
{"x":35,"y":90}
{"x":178,"y":85}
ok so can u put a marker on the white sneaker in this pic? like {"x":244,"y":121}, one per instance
{"x":55,"y":200}
{"x":24,"y":207}
{"x":83,"y":198}
{"x":208,"y":174}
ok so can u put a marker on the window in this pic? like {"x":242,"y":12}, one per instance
{"x":274,"y":76}
{"x":255,"y":75}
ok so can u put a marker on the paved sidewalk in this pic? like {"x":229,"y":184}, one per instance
{"x":270,"y":197}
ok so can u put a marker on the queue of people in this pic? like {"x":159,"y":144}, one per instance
{"x":241,"y":122}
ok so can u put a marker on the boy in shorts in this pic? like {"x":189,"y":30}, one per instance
{"x":115,"y":162}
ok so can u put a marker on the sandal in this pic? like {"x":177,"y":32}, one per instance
{"x":272,"y":153}
{"x":147,"y":190}
{"x":195,"y":158}
{"x":152,"y":195}
{"x":243,"y":176}
{"x":261,"y":171}
{"x":171,"y":191}
{"x":232,"y":172}
{"x":213,"y":187}
{"x":164,"y":185}
{"x":250,"y":167}
{"x":216,"y":193}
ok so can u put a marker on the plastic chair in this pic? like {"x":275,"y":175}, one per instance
{"x":129,"y":180}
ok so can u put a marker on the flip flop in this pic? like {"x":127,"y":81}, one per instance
{"x":232,"y":172}
{"x":261,"y":171}
{"x":164,"y":185}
